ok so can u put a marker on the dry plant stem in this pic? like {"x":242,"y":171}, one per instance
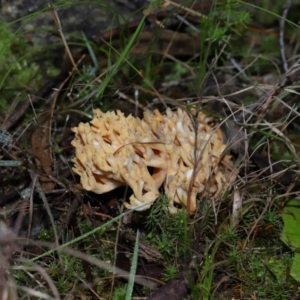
{"x":13,"y":290}
{"x":186,"y":22}
{"x":224,"y":279}
{"x":7,"y":249}
{"x":145,"y":251}
{"x":12,"y":109}
{"x":184,"y":64}
{"x":86,"y":266}
{"x":158,"y":95}
{"x":211,"y":66}
{"x":143,"y":77}
{"x":291,"y":109}
{"x":171,"y":41}
{"x":241,"y":71}
{"x":280,"y":133}
{"x":238,"y":67}
{"x":150,"y":283}
{"x":91,"y":290}
{"x":33,"y":293}
{"x":281,"y":34}
{"x":188,"y":10}
{"x":10,"y":112}
{"x":53,"y":102}
{"x":31,"y":206}
{"x":130,"y":100}
{"x":282,"y":175}
{"x":71,"y":211}
{"x":270,"y":161}
{"x":268,"y":204}
{"x":58,"y":25}
{"x":265,"y":106}
{"x":256,"y":222}
{"x":24,"y":204}
{"x":45,"y":202}
{"x":44,"y":274}
{"x":161,"y":98}
{"x":236,"y":207}
{"x":196,"y":135}
{"x":265,"y":102}
{"x":136,"y":100}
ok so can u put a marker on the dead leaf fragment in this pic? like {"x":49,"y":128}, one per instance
{"x":41,"y":150}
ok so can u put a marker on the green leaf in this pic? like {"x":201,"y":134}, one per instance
{"x":291,"y":234}
{"x":295,"y":271}
{"x":291,"y":219}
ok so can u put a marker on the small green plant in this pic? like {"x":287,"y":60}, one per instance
{"x":158,"y":212}
{"x":62,"y":285}
{"x":279,"y":292}
{"x":84,"y":87}
{"x":120,"y":292}
{"x":230,"y":234}
{"x":67,"y":270}
{"x":168,"y":232}
{"x":170,"y":272}
{"x":46,"y":234}
{"x":233,"y":256}
{"x":205,"y":283}
{"x":179,"y":71}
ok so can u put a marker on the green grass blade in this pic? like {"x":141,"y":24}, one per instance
{"x":133,"y":267}
{"x":80,"y":238}
{"x":122,"y":57}
{"x":90,"y":50}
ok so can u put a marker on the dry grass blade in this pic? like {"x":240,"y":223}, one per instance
{"x":150,"y":283}
{"x":8,"y":247}
{"x":236,"y":207}
{"x":58,"y":25}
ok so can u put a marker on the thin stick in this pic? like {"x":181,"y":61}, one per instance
{"x":190,"y":11}
{"x":281,"y":34}
{"x":58,"y":25}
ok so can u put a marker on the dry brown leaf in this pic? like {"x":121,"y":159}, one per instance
{"x":41,"y":150}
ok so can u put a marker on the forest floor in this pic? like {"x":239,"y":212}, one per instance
{"x":235,"y":61}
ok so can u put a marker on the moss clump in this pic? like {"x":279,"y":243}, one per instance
{"x":20,"y":76}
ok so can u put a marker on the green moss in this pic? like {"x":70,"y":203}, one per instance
{"x":165,"y":230}
{"x":20,"y":76}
